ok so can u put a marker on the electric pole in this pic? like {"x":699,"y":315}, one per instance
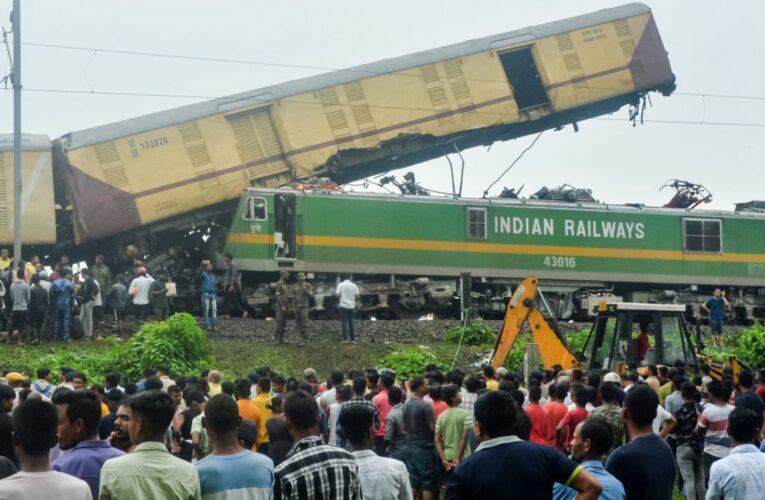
{"x":16,"y":80}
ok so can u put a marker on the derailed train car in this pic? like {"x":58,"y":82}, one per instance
{"x":38,"y":210}
{"x":146,"y":182}
{"x":409,"y":251}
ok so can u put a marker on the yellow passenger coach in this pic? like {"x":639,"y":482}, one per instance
{"x":352,"y":123}
{"x":38,"y":210}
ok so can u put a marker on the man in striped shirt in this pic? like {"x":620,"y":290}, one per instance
{"x":740,"y":475}
{"x":714,"y":420}
{"x":313,"y":470}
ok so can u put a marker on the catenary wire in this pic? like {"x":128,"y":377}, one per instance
{"x":329,"y":68}
{"x":497,"y":113}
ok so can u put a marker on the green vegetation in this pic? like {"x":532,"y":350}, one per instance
{"x":577,"y":339}
{"x":515,"y":358}
{"x":747,"y":344}
{"x":234,"y":358}
{"x":751,"y":345}
{"x":410,"y":362}
{"x":476,"y":333}
{"x":178,"y":343}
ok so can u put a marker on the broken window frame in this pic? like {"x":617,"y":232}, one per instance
{"x":706,"y":233}
{"x":249,"y":210}
{"x":476,"y":230}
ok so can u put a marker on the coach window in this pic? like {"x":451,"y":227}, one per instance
{"x":702,"y":235}
{"x":476,"y":223}
{"x":255,"y":209}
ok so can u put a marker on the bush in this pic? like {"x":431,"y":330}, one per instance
{"x":476,"y":333}
{"x":177,"y":343}
{"x":92,"y":364}
{"x":576,"y":340}
{"x":751,"y":346}
{"x":719,"y":353}
{"x":515,"y":358}
{"x":409,"y":363}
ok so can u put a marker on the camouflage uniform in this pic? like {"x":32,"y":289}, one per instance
{"x":302,"y":294}
{"x":282,"y":306}
{"x":102,"y":274}
{"x":613,"y":417}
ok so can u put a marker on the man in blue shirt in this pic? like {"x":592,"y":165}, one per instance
{"x":592,"y":440}
{"x":209,"y":287}
{"x":231,"y":471}
{"x":740,"y":475}
{"x":716,"y":306}
{"x":504,"y":466}
{"x":79,"y":415}
{"x":645,"y":466}
{"x":61,"y":294}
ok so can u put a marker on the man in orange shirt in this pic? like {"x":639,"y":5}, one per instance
{"x":556,"y":410}
{"x":263,"y":402}
{"x":247,"y":409}
{"x":538,"y":416}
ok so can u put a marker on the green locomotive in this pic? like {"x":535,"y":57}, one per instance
{"x":407,"y":252}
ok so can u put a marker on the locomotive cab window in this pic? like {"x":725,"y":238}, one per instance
{"x":702,"y":235}
{"x":255,"y":209}
{"x":476,"y":223}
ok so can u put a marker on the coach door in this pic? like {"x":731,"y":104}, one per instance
{"x":285,"y":227}
{"x":523,"y":75}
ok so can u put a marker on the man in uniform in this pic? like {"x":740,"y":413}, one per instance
{"x":102,"y":274}
{"x":282,"y":305}
{"x":301,"y":296}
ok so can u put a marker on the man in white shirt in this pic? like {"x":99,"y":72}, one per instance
{"x":740,"y":475}
{"x":381,"y":478}
{"x":348,"y":295}
{"x":35,"y":423}
{"x":139,"y":290}
{"x":663,"y":423}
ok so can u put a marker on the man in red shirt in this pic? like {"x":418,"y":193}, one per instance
{"x":760,"y":379}
{"x":643,"y":342}
{"x":537,"y":415}
{"x":556,"y":410}
{"x":439,"y":405}
{"x":380,"y":400}
{"x":575,"y":417}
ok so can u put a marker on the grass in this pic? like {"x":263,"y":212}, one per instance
{"x":236,"y":358}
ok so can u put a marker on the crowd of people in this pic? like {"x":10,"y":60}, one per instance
{"x":34,"y":296}
{"x":374,"y":435}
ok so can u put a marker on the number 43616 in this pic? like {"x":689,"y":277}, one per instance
{"x":559,"y":261}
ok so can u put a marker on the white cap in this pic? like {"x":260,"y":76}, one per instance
{"x":612,"y":377}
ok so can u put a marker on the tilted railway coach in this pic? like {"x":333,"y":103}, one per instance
{"x":38,"y":207}
{"x":145,"y":181}
{"x":408,"y":252}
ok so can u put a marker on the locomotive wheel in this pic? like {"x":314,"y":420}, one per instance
{"x":402,"y":310}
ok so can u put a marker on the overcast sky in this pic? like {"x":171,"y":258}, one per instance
{"x":714,"y":48}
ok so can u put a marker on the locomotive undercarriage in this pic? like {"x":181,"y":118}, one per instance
{"x":402,"y":297}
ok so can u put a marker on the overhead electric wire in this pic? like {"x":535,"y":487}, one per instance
{"x":400,"y":108}
{"x":328,"y":68}
{"x":486,"y":191}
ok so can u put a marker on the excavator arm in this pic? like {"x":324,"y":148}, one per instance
{"x":522,"y":309}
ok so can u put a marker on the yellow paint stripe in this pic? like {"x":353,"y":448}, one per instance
{"x":501,"y":248}
{"x":254,"y":239}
